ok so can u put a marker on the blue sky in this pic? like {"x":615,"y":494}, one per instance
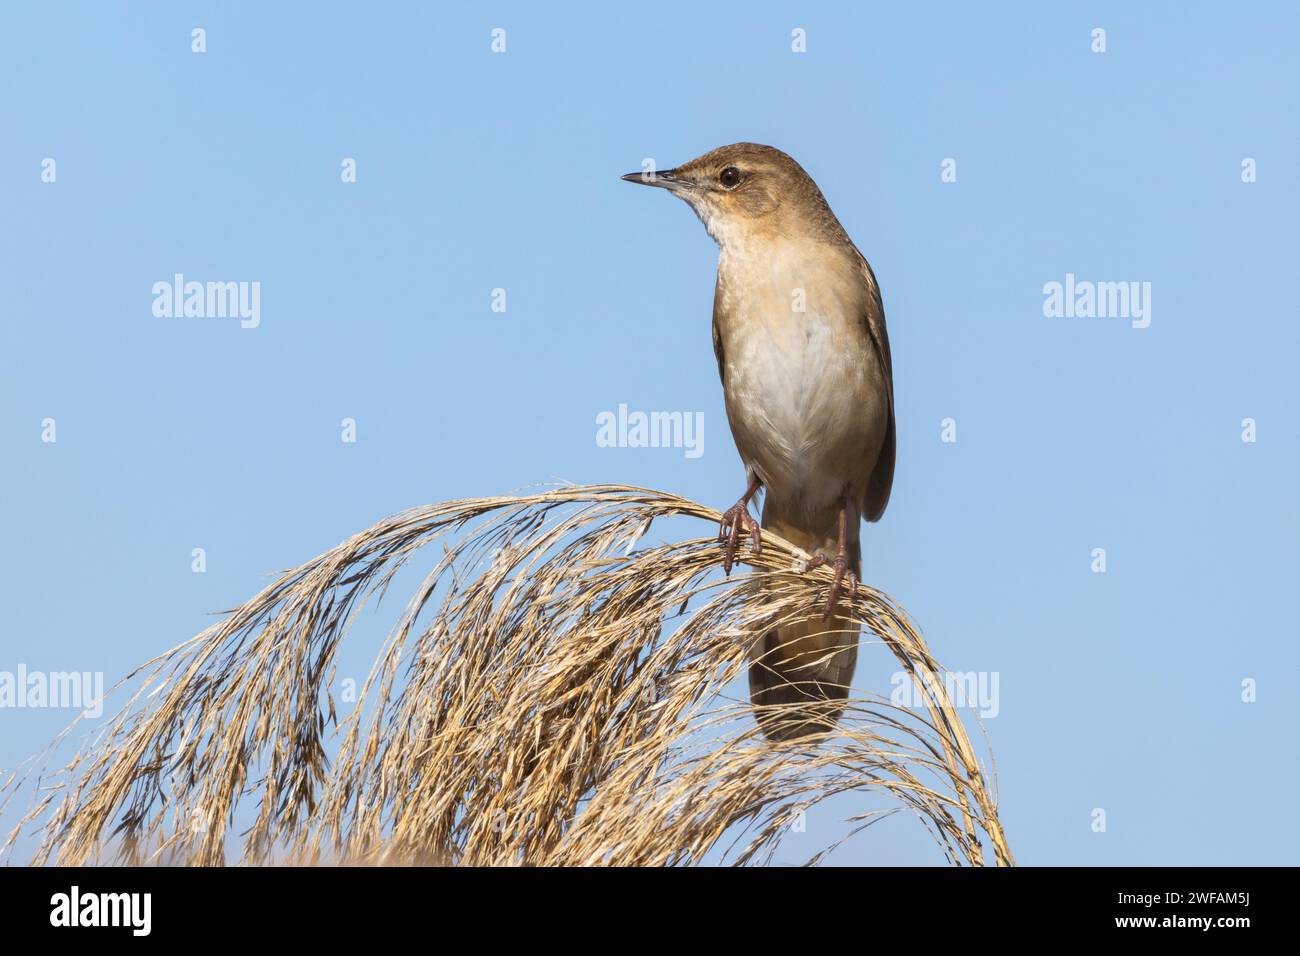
{"x":478,"y":171}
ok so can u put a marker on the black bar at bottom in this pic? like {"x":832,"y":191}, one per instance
{"x":336,"y":905}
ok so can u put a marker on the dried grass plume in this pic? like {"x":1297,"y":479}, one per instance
{"x":552,"y":693}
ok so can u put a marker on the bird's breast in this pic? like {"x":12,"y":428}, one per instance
{"x":805,"y":393}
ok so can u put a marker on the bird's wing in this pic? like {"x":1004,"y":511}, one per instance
{"x":881,"y":481}
{"x":717,"y":348}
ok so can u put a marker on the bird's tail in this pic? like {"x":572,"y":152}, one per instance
{"x":799,"y":674}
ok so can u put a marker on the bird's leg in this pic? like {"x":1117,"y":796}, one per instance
{"x":735,"y":518}
{"x":840,"y":562}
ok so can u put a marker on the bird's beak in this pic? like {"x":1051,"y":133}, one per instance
{"x":667,"y":178}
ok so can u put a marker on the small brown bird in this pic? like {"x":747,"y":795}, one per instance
{"x":799,"y":334}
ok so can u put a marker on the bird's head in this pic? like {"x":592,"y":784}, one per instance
{"x":744,"y":191}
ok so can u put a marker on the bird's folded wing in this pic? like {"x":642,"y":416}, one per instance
{"x":881,"y":481}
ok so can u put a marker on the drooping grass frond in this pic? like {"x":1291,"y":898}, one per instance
{"x":551,"y":694}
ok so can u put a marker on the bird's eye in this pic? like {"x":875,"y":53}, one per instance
{"x":729,"y":177}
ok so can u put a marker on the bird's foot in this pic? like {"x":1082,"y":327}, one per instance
{"x":842,"y":573}
{"x":734,"y":519}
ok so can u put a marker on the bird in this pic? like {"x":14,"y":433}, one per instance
{"x":807,"y":379}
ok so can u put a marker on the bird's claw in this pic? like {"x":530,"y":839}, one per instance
{"x":733,"y":519}
{"x":842,"y":572}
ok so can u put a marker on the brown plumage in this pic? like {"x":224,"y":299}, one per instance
{"x":799,"y":334}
